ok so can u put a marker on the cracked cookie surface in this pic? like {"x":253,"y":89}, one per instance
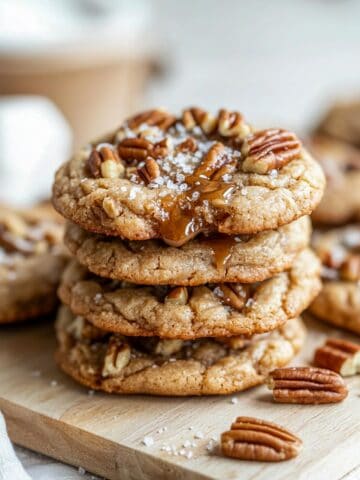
{"x":159,"y":176}
{"x":341,"y":164}
{"x":203,"y":311}
{"x":339,"y":300}
{"x":116,"y":364}
{"x":202,"y":260}
{"x":31,"y":262}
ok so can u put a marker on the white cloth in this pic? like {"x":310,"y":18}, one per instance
{"x":10,"y":467}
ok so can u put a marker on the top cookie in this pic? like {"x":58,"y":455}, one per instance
{"x":159,"y":176}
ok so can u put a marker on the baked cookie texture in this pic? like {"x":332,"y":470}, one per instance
{"x":186,"y":313}
{"x":162,"y":176}
{"x":341,"y":164}
{"x":342,"y":122}
{"x":218,"y":258}
{"x":32,"y":260}
{"x":339,"y":301}
{"x":116,"y":364}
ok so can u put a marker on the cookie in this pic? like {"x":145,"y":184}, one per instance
{"x":202,"y":260}
{"x":159,"y":176}
{"x":31,"y":262}
{"x":116,"y":364}
{"x":342,"y":122}
{"x":210,"y":310}
{"x":341,"y":164}
{"x":339,"y":301}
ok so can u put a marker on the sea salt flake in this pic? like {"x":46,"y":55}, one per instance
{"x":199,"y":435}
{"x":81,"y":471}
{"x":148,"y":441}
{"x":97,"y":298}
{"x":250,"y":302}
{"x":234,"y":400}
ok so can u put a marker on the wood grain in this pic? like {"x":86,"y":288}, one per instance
{"x":49,"y":413}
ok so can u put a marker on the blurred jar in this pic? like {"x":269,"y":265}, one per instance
{"x":93,"y":58}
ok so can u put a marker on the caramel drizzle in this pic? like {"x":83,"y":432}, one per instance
{"x":183,"y":220}
{"x":221,"y":246}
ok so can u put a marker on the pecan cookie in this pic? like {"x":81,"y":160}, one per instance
{"x":161,"y":176}
{"x":217,"y":258}
{"x":31,"y":262}
{"x":204,"y":311}
{"x":341,"y":164}
{"x":342,"y":122}
{"x":339,"y":301}
{"x":116,"y":364}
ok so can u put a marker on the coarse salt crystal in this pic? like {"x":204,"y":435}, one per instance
{"x":234,"y":400}
{"x":81,"y":471}
{"x":199,"y":435}
{"x":97,"y":298}
{"x":250,"y":302}
{"x":148,"y":441}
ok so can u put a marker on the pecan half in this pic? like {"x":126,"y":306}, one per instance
{"x":269,"y":149}
{"x":339,"y":355}
{"x":306,"y":385}
{"x":233,"y":294}
{"x":150,"y":171}
{"x":350,"y":268}
{"x":177,"y":296}
{"x":232,"y":124}
{"x":259,"y":440}
{"x":116,"y":358}
{"x":105,"y":163}
{"x":157,"y":118}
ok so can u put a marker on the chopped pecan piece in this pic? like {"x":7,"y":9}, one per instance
{"x":269,"y":149}
{"x":168,"y":347}
{"x":157,"y":118}
{"x":188,"y":145}
{"x":213,"y":165}
{"x":195,"y":116}
{"x":350,"y":269}
{"x":150,"y":171}
{"x":306,"y":385}
{"x":116,"y":358}
{"x":339,"y":355}
{"x":177,"y":296}
{"x":233,"y":294}
{"x":140,"y":148}
{"x":134,"y":149}
{"x":105,"y":163}
{"x":231,"y":124}
{"x":259,"y":440}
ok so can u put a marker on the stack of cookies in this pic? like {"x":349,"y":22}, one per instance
{"x":336,"y":142}
{"x":191,"y":262}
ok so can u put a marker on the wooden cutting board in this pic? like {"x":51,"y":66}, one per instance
{"x":49,"y":413}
